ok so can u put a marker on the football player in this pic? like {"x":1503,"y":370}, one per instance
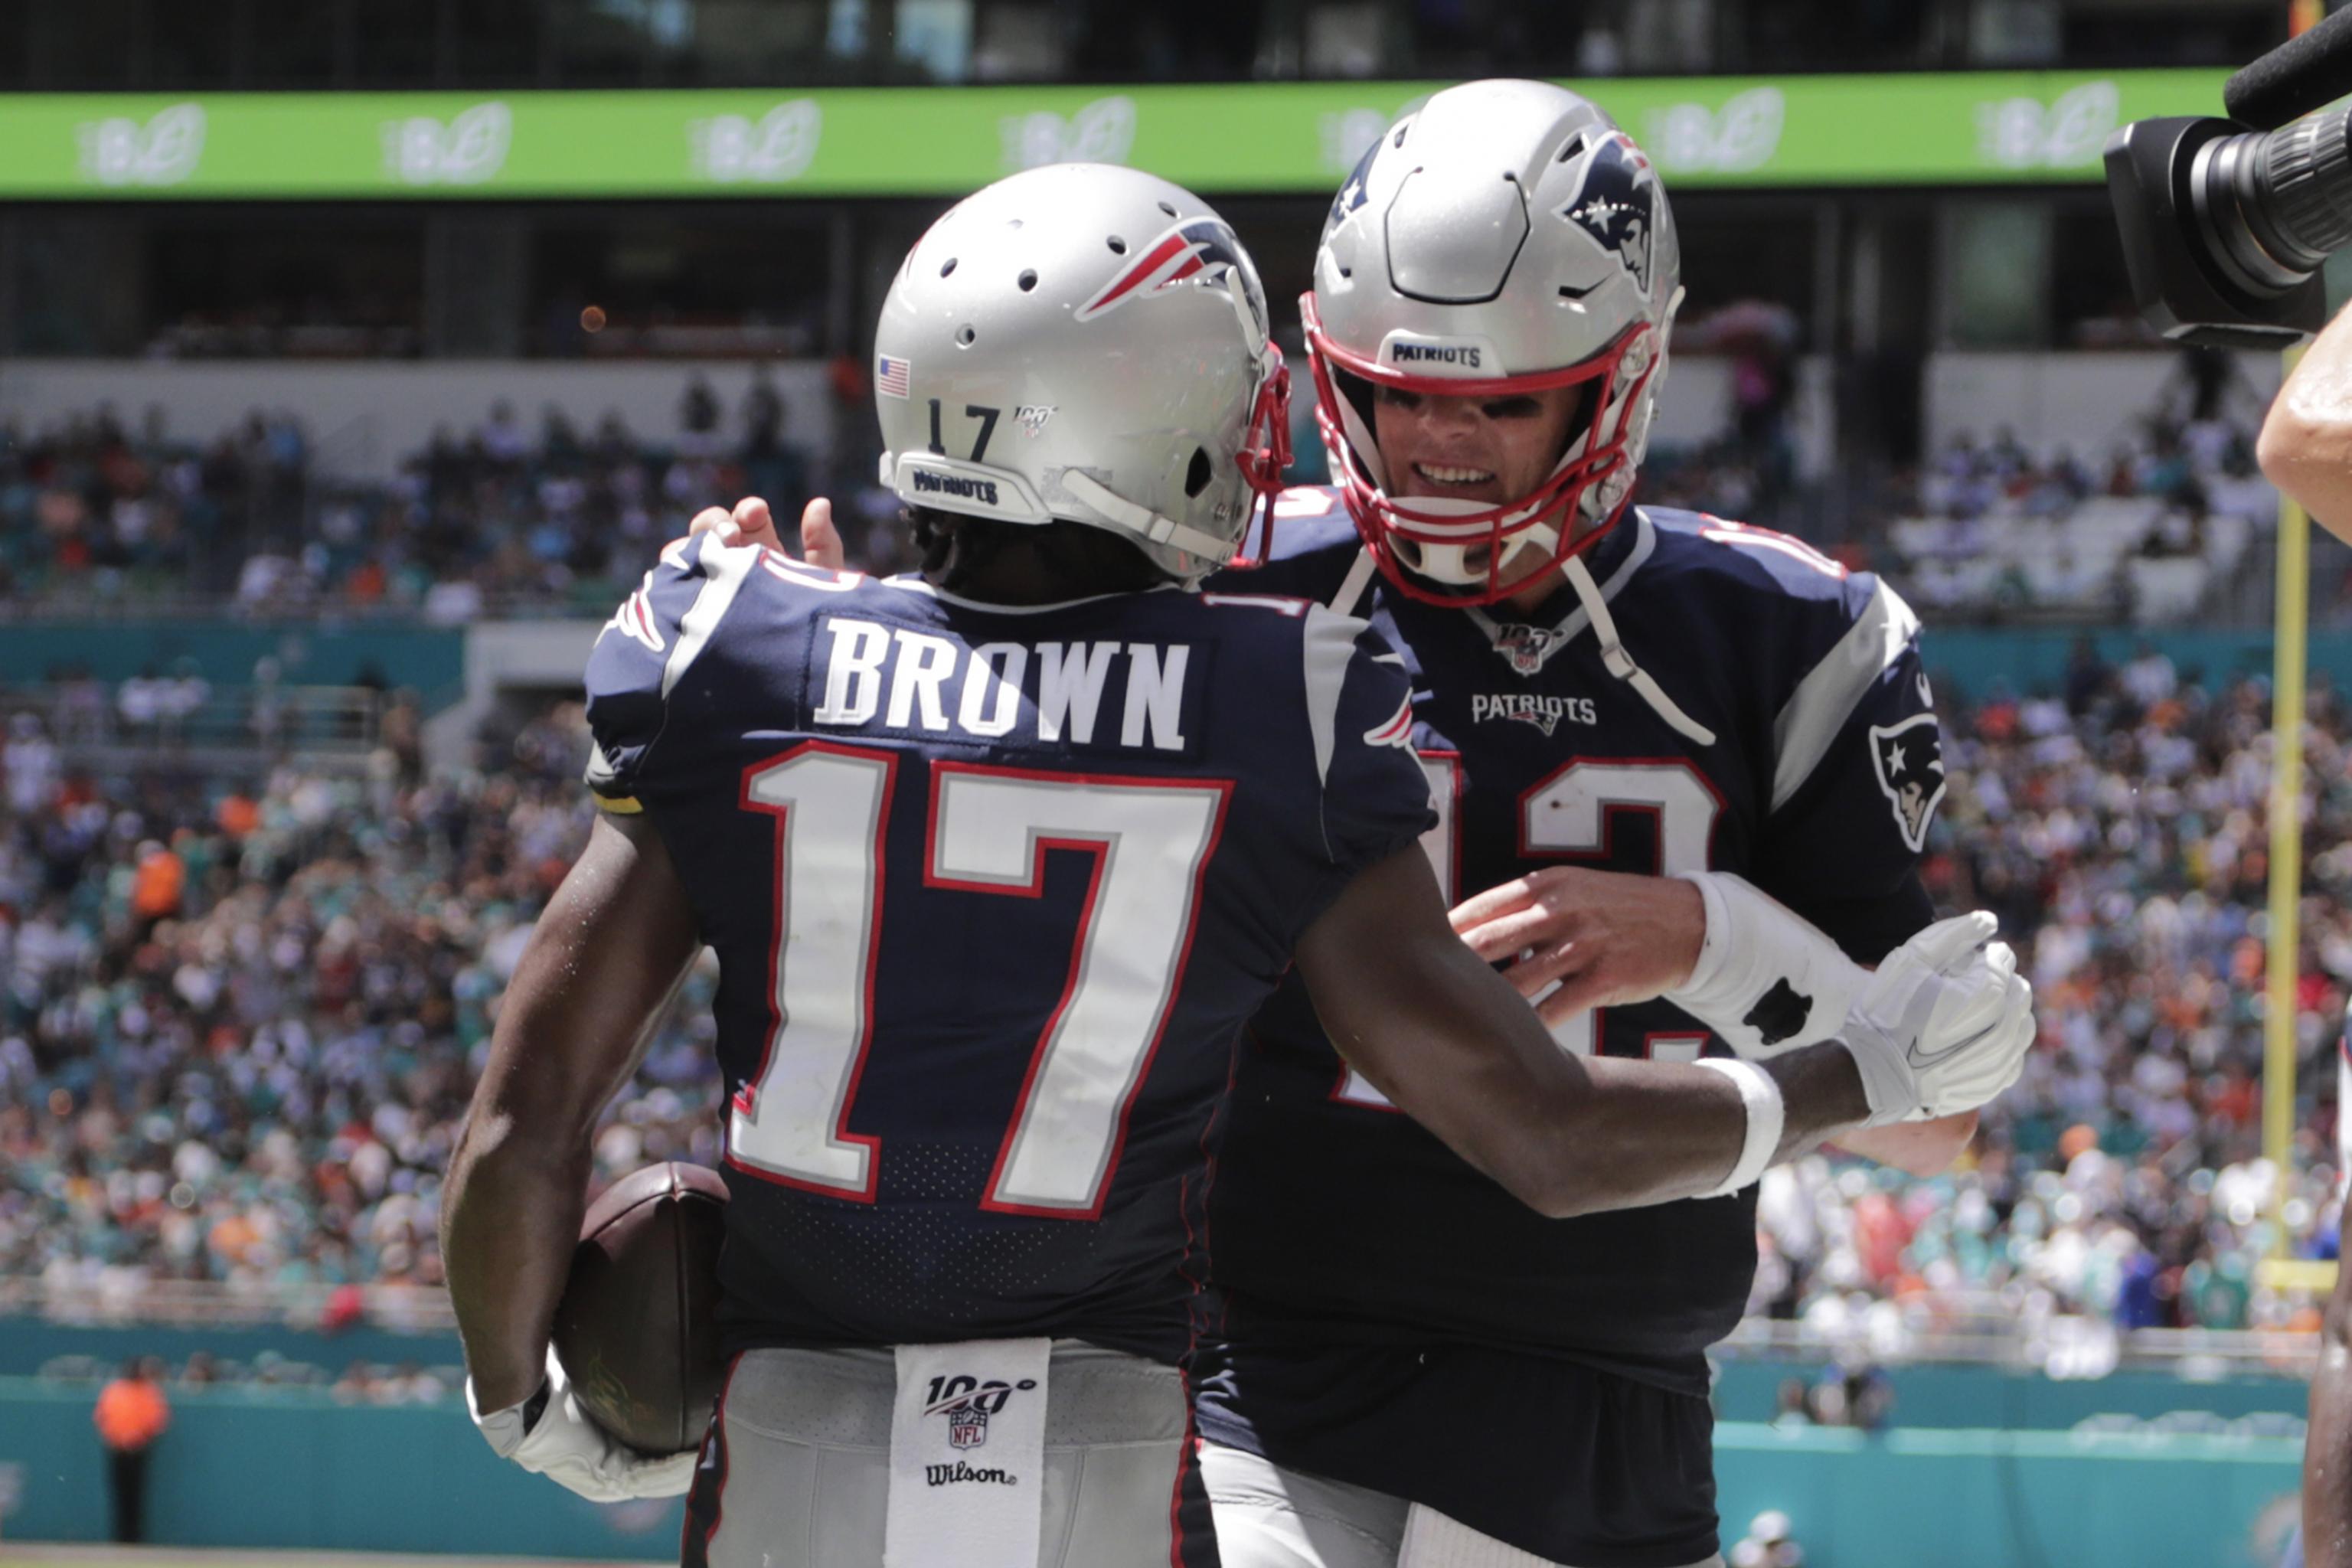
{"x":998,"y":859}
{"x":1427,"y":1373}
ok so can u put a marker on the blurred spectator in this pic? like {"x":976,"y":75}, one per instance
{"x":131,"y":1415}
{"x":697,"y":418}
{"x":30,"y":765}
{"x":1770,"y":1542}
{"x":1857,"y":1395}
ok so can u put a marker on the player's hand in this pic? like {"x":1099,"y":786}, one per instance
{"x":753,"y":524}
{"x":1942,"y":1026}
{"x":565,"y":1445}
{"x":1607,"y":937}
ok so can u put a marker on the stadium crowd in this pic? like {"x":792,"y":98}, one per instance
{"x":499,"y":515}
{"x":237,"y":1027}
{"x":2148,"y":529}
{"x":515,"y":517}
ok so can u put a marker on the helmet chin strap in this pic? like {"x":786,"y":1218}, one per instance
{"x":1621,"y":663}
{"x":1144,"y":522}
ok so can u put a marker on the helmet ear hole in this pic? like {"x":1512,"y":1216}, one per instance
{"x":1197,"y":477}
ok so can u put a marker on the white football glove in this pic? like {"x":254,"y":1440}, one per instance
{"x":1767,"y":980}
{"x":1944,"y":1024}
{"x":565,"y":1445}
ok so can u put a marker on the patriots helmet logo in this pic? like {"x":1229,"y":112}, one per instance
{"x":1351,"y":194}
{"x":1909,"y":759}
{"x":1197,"y":250}
{"x":1617,"y":205}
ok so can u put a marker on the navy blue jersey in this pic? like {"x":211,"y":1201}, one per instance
{"x":1353,"y":1245}
{"x":992,"y":892}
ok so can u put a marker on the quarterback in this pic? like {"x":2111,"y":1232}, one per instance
{"x":1412,"y":1368}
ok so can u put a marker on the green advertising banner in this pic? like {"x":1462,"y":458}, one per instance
{"x":1979,"y":128}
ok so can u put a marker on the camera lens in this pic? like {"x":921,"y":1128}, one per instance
{"x":2276,"y":205}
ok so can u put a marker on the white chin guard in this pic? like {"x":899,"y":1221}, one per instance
{"x":1450,"y":564}
{"x":1767,"y":980}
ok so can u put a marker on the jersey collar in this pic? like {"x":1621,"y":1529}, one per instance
{"x":1529,"y":645}
{"x":915,"y":583}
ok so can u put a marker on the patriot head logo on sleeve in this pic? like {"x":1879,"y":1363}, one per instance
{"x":1909,"y":761}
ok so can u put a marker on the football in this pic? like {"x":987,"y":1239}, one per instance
{"x":636,"y":1328}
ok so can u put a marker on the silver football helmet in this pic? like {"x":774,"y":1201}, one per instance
{"x":1086,"y":342}
{"x":1505,"y":238}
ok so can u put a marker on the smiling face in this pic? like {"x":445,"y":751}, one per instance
{"x":1490,"y":450}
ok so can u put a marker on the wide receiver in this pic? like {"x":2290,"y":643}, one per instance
{"x":998,"y":859}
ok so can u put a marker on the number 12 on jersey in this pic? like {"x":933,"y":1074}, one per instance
{"x":1568,"y":814}
{"x":990,"y":831}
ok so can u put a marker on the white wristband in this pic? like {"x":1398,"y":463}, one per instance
{"x":1767,"y":1113}
{"x":1766,"y":980}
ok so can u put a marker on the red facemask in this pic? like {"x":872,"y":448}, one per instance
{"x":1617,"y":374}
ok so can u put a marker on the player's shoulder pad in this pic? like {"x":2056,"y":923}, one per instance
{"x":1841,"y":641}
{"x":672,"y":620}
{"x":1756,"y":583}
{"x":1358,"y":692}
{"x":1740,"y":555}
{"x":1359,"y":702}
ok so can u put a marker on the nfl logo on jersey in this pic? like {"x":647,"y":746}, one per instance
{"x":1528,"y":647}
{"x":966,"y":1427}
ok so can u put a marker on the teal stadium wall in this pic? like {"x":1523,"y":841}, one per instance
{"x":1973,"y":662}
{"x":293,"y":1468}
{"x":432,"y":659}
{"x":1745,"y":1388}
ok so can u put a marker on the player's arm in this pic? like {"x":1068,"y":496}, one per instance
{"x":1447,"y":1040}
{"x":600,"y":965}
{"x":1858,"y":776}
{"x":2327,"y":1448}
{"x":1918,"y":1148}
{"x":2305,"y":446}
{"x":1610,"y":938}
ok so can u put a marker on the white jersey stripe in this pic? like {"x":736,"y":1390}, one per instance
{"x":726,"y":570}
{"x":1825,"y":699}
{"x":1331,"y":645}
